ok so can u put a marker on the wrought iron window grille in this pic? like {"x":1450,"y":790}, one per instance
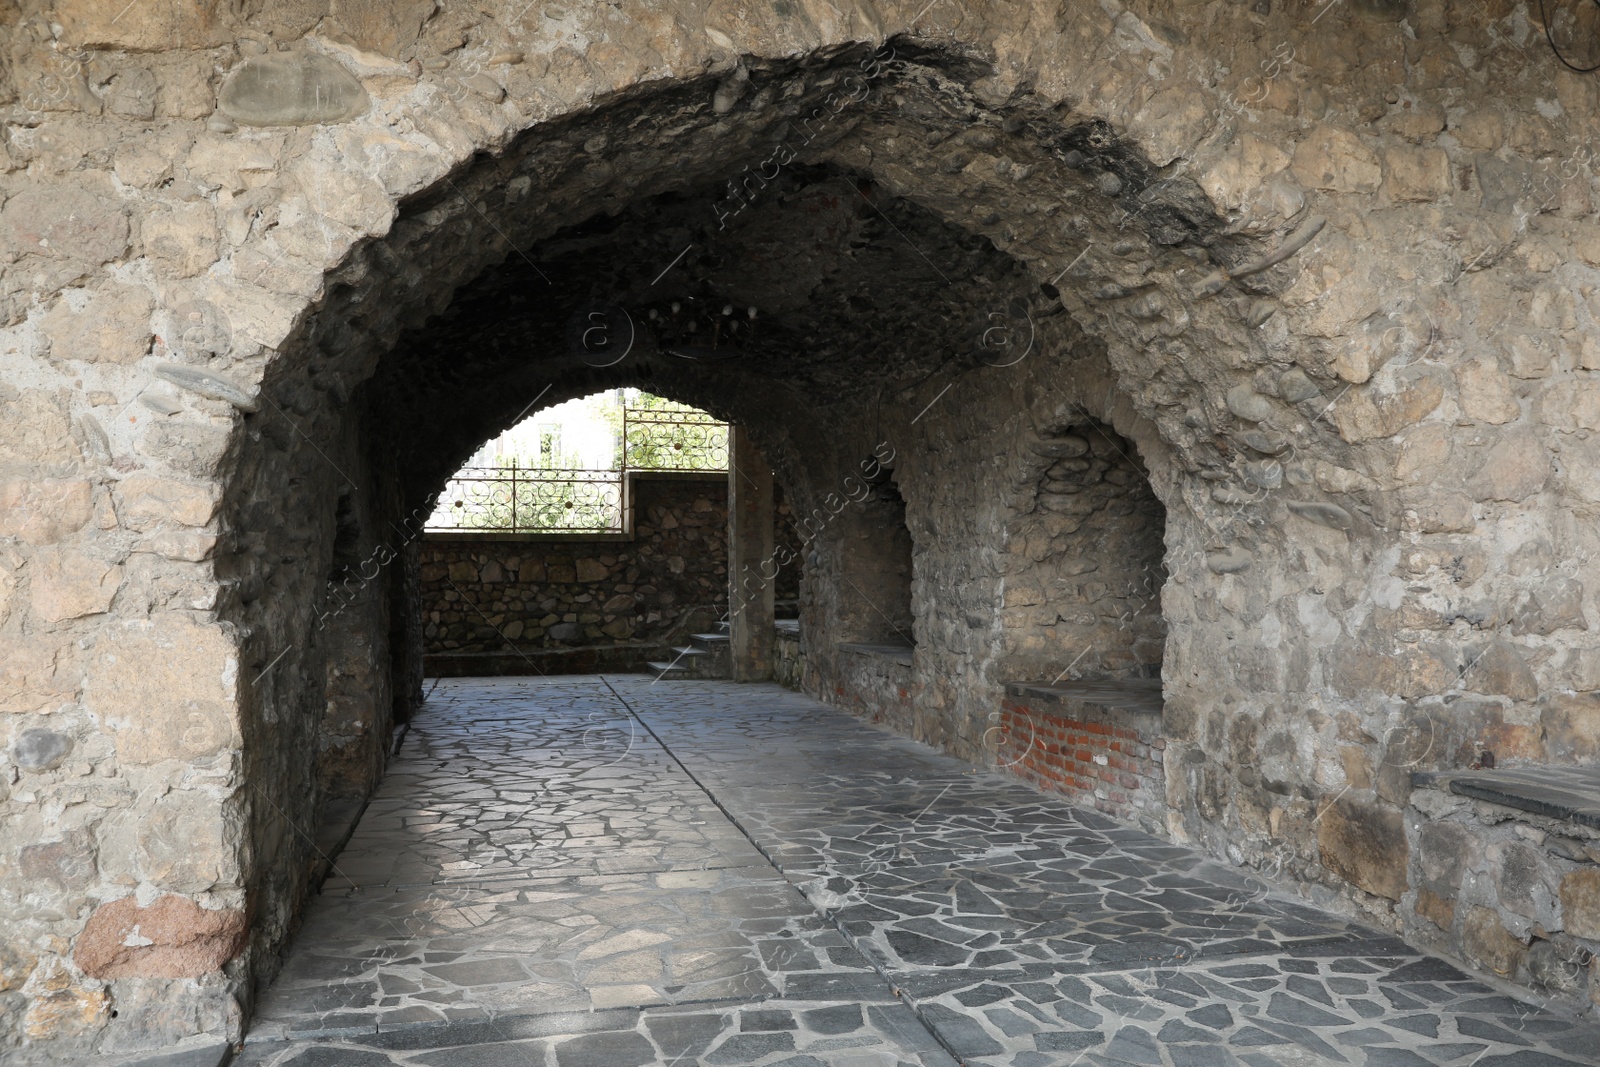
{"x":521,"y":499}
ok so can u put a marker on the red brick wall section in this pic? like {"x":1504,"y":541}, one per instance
{"x":1110,"y":768}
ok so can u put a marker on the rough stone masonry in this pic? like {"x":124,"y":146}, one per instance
{"x":1250,"y":344}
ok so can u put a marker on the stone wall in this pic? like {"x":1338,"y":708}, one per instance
{"x":1083,"y":581}
{"x":669,"y":576}
{"x":1505,"y":891}
{"x":1334,"y":278}
{"x":873,"y":685}
{"x":789,"y":657}
{"x":563,"y":603}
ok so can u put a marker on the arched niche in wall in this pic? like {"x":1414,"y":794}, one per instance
{"x":877,"y":568}
{"x":1085,"y":565}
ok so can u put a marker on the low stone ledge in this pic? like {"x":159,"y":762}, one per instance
{"x":1570,"y":794}
{"x":581,"y":660}
{"x":874,"y":680}
{"x":1503,"y":875}
{"x":335,"y":824}
{"x":201,"y":1051}
{"x":1098,"y":742}
{"x":1135,"y":702}
{"x":894,"y":653}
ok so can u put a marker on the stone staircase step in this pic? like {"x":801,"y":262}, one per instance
{"x":706,"y":656}
{"x":668,"y":670}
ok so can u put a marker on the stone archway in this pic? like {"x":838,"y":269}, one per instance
{"x":1247,"y":260}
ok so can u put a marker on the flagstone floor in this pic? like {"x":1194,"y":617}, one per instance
{"x":606,"y":872}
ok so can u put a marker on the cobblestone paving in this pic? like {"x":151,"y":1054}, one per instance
{"x":558,"y":873}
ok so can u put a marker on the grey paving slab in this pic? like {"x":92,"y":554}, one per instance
{"x":500,"y":781}
{"x":795,"y":1033}
{"x":568,"y":872}
{"x":435,"y":954}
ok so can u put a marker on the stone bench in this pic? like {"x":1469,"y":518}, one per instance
{"x":1503,"y":872}
{"x":897,"y":653}
{"x":1570,"y":794}
{"x":1098,"y":741}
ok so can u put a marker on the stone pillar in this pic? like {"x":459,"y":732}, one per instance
{"x":750,"y":549}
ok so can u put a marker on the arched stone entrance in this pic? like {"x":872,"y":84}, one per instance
{"x":235,"y":372}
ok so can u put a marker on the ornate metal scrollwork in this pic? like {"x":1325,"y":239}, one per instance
{"x":517,"y":499}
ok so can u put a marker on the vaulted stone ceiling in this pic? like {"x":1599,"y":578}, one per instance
{"x":851,"y":289}
{"x":802,"y":190}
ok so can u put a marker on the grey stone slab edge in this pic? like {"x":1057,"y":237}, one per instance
{"x":211,"y":1054}
{"x":1553,"y":801}
{"x":338,"y":827}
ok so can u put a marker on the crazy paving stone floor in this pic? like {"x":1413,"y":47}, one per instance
{"x":606,"y":872}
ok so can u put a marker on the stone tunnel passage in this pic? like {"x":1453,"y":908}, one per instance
{"x":605,"y":872}
{"x":269,"y":272}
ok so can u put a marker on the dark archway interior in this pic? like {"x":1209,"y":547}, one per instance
{"x":806,"y":302}
{"x":855,"y":294}
{"x":853,"y":290}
